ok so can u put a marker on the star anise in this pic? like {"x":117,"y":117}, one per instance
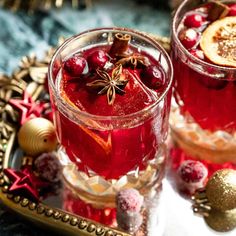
{"x":109,"y":84}
{"x":134,"y":60}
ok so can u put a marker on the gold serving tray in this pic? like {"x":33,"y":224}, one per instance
{"x":30,"y":77}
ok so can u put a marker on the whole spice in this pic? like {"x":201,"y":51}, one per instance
{"x":134,"y":60}
{"x":109,"y":84}
{"x":120,"y":44}
{"x":217,"y":10}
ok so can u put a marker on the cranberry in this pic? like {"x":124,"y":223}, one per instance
{"x":97,"y":59}
{"x":189,"y":38}
{"x":129,"y":200}
{"x":194,"y":20}
{"x":212,"y":83}
{"x":153,"y":77}
{"x":197,"y":53}
{"x":75,"y":65}
{"x":232,"y":10}
{"x":191,"y":171}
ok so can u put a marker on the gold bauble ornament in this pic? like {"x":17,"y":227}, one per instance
{"x":221,"y":221}
{"x":37,"y":136}
{"x":221,"y":190}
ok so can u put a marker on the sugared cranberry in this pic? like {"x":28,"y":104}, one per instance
{"x":192,"y":171}
{"x":48,"y":167}
{"x":192,"y":175}
{"x":153,"y":77}
{"x":75,"y":65}
{"x":129,"y":200}
{"x":197,"y":53}
{"x":97,"y":59}
{"x":189,"y":38}
{"x":194,"y":20}
{"x":232,"y":10}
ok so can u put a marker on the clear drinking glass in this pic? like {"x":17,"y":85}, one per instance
{"x":103,"y":154}
{"x":203,"y":117}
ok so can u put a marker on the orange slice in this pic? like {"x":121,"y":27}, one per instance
{"x":218,"y":42}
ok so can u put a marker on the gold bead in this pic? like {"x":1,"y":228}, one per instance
{"x":222,"y":221}
{"x":65,"y":218}
{"x":221,"y":190}
{"x":91,"y":228}
{"x":37,"y":136}
{"x":73,"y":221}
{"x":100,"y":231}
{"x":57,"y":215}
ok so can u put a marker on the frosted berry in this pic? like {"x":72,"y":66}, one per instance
{"x":189,"y":38}
{"x":48,"y":167}
{"x":197,"y":53}
{"x":129,"y":200}
{"x":97,"y":59}
{"x":192,"y":176}
{"x":75,"y":65}
{"x":194,"y":20}
{"x":232,"y":10}
{"x":153,"y":77}
{"x":192,"y":171}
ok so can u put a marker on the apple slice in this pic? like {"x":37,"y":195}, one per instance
{"x":218,"y":42}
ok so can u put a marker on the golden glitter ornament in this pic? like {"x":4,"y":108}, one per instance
{"x":222,"y":221}
{"x":221,"y":190}
{"x":37,"y":136}
{"x":217,"y":201}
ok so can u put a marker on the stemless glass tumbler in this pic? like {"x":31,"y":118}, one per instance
{"x":106,"y":148}
{"x":203,"y":118}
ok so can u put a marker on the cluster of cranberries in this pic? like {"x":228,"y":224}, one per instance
{"x":194,"y":24}
{"x":77,"y":65}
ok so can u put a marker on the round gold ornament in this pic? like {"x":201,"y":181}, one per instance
{"x":221,"y":221}
{"x":221,"y":190}
{"x":37,"y":136}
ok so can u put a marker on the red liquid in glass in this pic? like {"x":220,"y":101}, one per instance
{"x":112,"y":153}
{"x":211,"y":102}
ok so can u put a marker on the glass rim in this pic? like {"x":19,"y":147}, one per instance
{"x":66,"y":105}
{"x":186,"y":52}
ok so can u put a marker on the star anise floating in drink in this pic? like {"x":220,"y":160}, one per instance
{"x":109,"y":84}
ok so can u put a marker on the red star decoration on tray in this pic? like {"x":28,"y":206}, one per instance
{"x":24,"y":183}
{"x":28,"y":107}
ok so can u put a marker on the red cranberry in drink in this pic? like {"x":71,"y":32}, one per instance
{"x":75,"y":65}
{"x":192,"y":175}
{"x":97,"y":59}
{"x":212,"y":83}
{"x":197,"y":53}
{"x":189,"y":38}
{"x":153,"y":77}
{"x":194,"y":20}
{"x":232,"y":10}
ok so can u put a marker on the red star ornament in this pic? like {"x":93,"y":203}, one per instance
{"x":24,"y":183}
{"x":28,"y":107}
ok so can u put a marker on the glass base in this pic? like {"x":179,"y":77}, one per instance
{"x":217,"y":147}
{"x":94,"y":197}
{"x":100,"y":192}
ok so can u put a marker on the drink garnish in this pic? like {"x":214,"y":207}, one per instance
{"x":120,"y":44}
{"x":109,"y":84}
{"x":218,"y":42}
{"x":134,"y":60}
{"x":218,"y":10}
